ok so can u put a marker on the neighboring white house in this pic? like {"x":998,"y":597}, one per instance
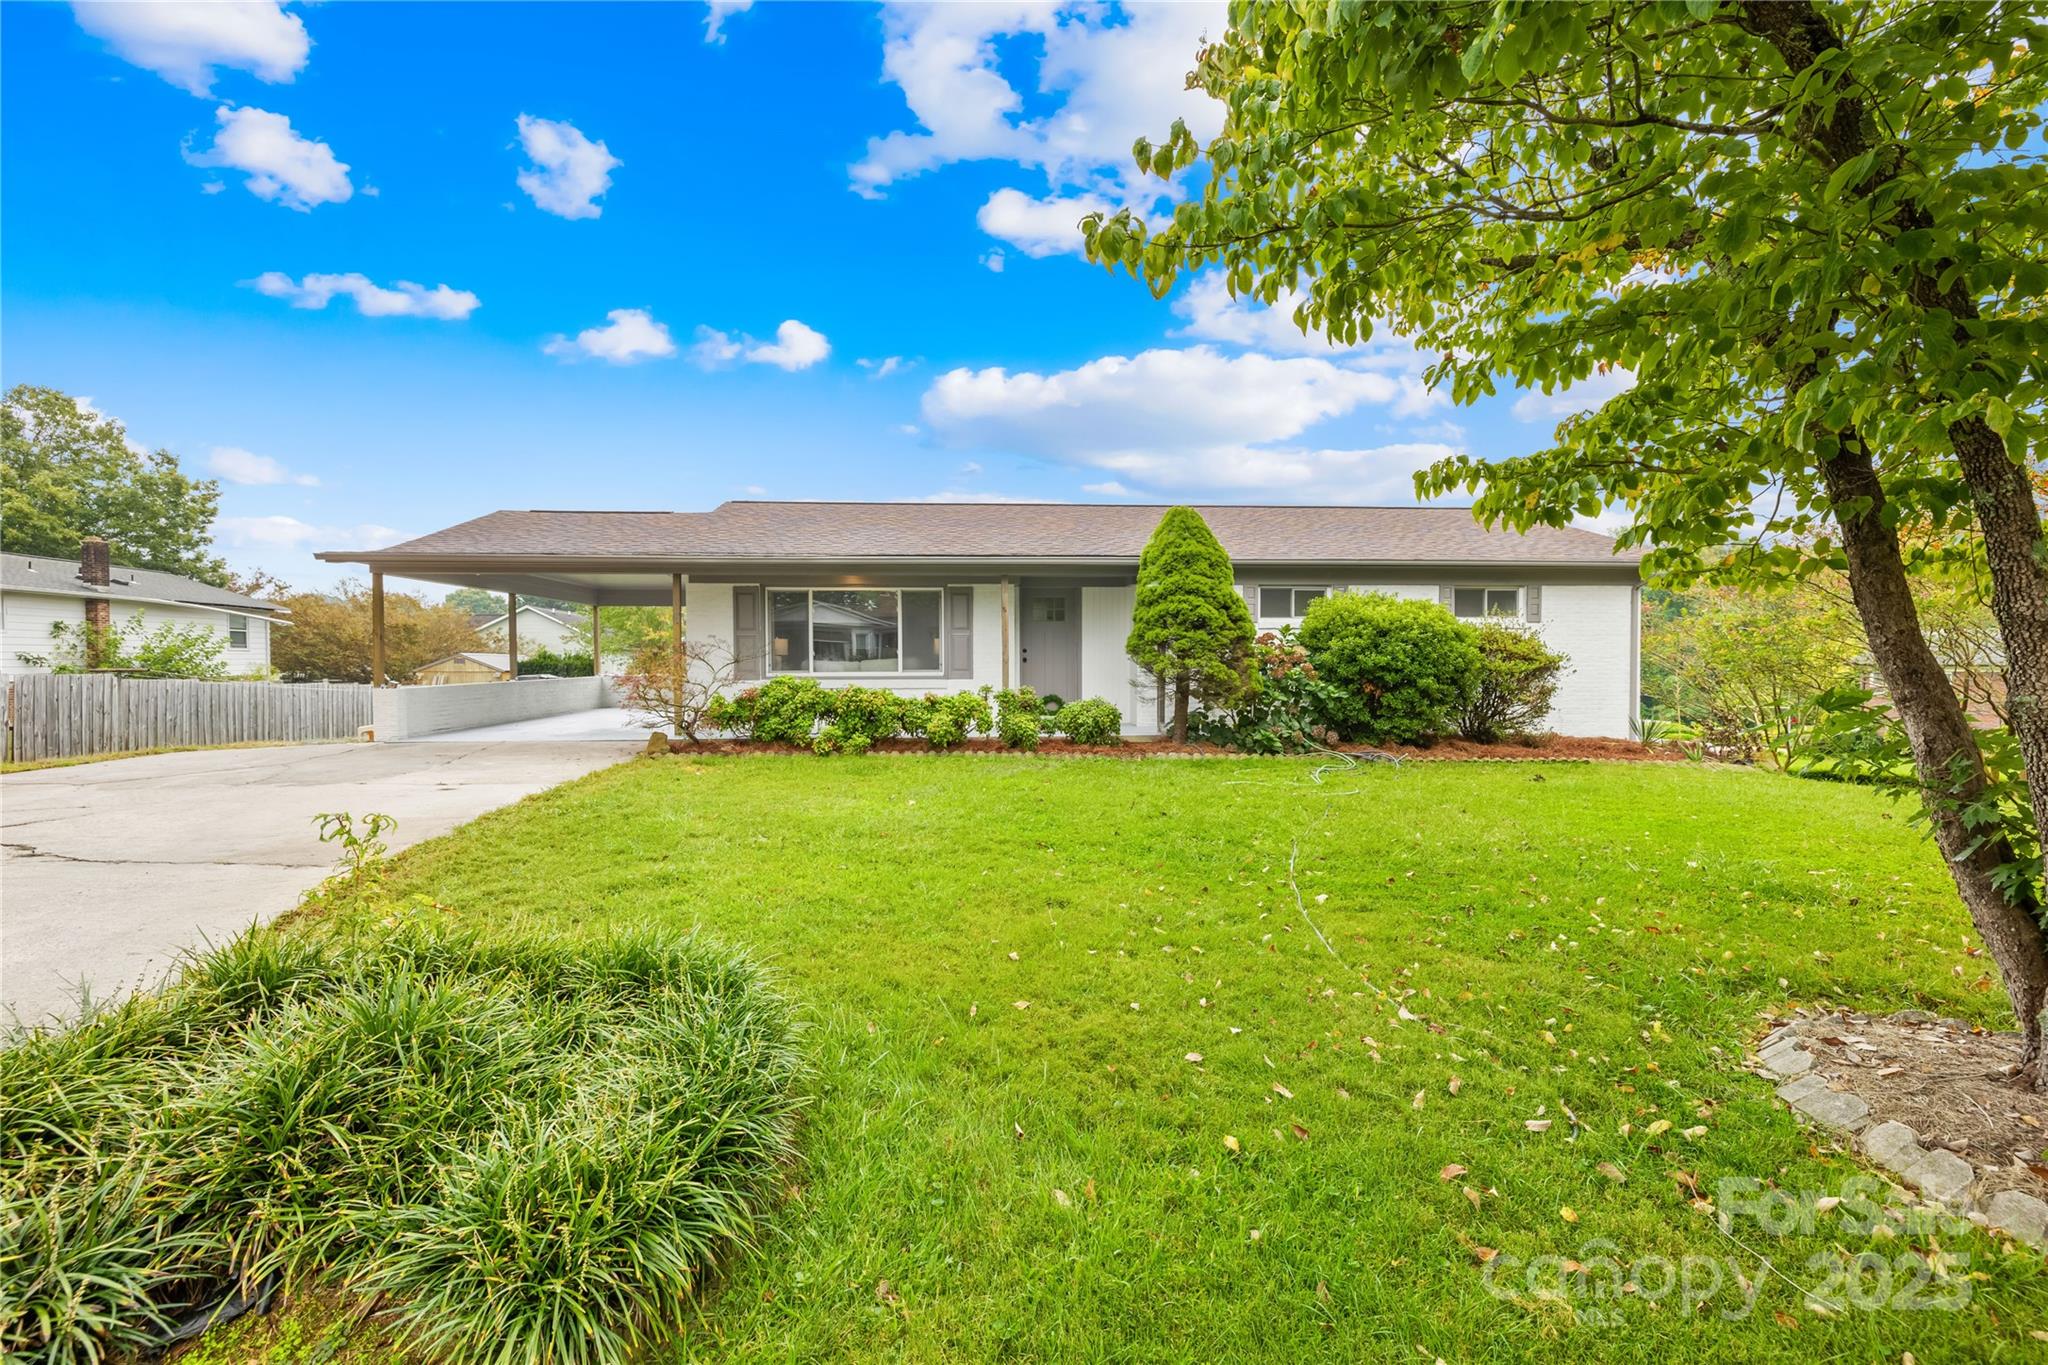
{"x":38,"y":593}
{"x":918,"y":597}
{"x":538,"y":629}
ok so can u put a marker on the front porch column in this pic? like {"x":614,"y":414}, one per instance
{"x":512,"y":632}
{"x":1005,"y":591}
{"x":376,"y":628}
{"x":675,"y":632}
{"x":596,"y":642}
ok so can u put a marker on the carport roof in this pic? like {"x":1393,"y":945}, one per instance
{"x":1034,"y":532}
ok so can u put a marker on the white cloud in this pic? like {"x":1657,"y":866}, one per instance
{"x":994,"y":260}
{"x":184,"y":43}
{"x":569,"y":171}
{"x":1040,"y":227}
{"x":404,"y":299}
{"x":1116,"y":76}
{"x":1189,"y":420}
{"x":246,"y":467}
{"x":212,"y":186}
{"x":281,"y":166}
{"x":796,"y":347}
{"x":719,"y":12}
{"x":958,"y":495}
{"x":628,"y":336}
{"x":1583,"y":396}
{"x":883,"y":368}
{"x":1110,"y":489}
{"x":1211,"y":314}
{"x":755,"y":490}
{"x":289,"y":533}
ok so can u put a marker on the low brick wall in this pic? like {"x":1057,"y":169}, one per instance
{"x":414,"y":712}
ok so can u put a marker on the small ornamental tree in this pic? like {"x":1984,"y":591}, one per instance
{"x":1803,"y":245}
{"x":1191,"y":632}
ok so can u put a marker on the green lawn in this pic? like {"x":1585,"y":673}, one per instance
{"x":984,"y":1180}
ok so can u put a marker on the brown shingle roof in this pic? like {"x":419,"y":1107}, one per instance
{"x":1025,"y":531}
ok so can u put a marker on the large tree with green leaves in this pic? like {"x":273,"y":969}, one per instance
{"x":67,"y":472}
{"x":1191,"y":631}
{"x":1811,"y":232}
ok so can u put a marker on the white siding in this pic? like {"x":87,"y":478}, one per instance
{"x":707,"y":617}
{"x":25,"y":621}
{"x":26,"y":618}
{"x":1594,"y":627}
{"x":1106,"y":669}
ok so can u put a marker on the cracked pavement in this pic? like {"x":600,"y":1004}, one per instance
{"x":110,"y":870}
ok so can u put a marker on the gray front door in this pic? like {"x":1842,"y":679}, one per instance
{"x":1051,"y":641}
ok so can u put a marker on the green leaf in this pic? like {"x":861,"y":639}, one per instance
{"x":1998,"y":415}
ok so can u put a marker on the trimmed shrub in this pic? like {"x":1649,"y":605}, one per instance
{"x":1191,"y":631}
{"x":1019,"y":718}
{"x":1399,"y":671}
{"x":547,"y":663}
{"x":539,"y":1151}
{"x":947,"y":720}
{"x":780,"y":711}
{"x":1518,"y":677}
{"x":862,"y":715}
{"x":1094,"y":721}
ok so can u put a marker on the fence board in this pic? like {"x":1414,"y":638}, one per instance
{"x":68,"y":715}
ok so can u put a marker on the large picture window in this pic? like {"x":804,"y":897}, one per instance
{"x":855,"y":630}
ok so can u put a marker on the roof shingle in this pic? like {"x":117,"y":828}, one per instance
{"x":1028,"y":531}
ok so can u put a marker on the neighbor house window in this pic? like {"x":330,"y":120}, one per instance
{"x":854,"y":630}
{"x":1476,"y":603}
{"x":1277,"y":604}
{"x":238,"y":632}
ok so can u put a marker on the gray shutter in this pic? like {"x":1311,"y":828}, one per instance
{"x":746,"y":633}
{"x":1532,"y":604}
{"x":959,"y":632}
{"x":1443,"y":596}
{"x":1251,"y":598}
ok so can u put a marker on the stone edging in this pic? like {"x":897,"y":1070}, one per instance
{"x":1937,"y":1173}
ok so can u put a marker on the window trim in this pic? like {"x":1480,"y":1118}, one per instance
{"x":233,"y":617}
{"x":1293,"y":591}
{"x":1521,"y":592}
{"x":771,"y":670}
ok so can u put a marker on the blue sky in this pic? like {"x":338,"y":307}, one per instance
{"x":381,"y":268}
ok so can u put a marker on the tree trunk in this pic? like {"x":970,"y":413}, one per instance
{"x":1181,"y":684}
{"x":1945,"y":753}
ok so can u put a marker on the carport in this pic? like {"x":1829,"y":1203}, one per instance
{"x":605,"y":560}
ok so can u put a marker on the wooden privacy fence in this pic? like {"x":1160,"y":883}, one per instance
{"x":64,"y":715}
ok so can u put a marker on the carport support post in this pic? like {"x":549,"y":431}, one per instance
{"x":512,"y":633}
{"x":596,"y":642}
{"x":376,"y":628}
{"x":675,"y":635}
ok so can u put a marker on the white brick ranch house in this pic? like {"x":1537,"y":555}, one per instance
{"x":923,"y":597}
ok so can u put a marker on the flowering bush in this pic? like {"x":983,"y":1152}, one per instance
{"x":946,"y":721}
{"x":1288,"y":711}
{"x":1019,"y":718}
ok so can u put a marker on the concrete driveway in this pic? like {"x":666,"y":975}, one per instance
{"x":110,"y":869}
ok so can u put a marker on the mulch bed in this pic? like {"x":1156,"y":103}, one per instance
{"x":1950,"y":1082}
{"x":1537,"y":749}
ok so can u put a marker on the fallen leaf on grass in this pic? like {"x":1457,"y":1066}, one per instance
{"x":1472,"y":1195}
{"x":1483,"y":1254}
{"x":1193,"y":1057}
{"x":1299,"y":1131}
{"x":1282,"y":1091}
{"x":1660,"y":1126}
{"x":1232,"y":1143}
{"x":1088,"y":1190}
{"x":1456,"y":1085}
{"x":1569,"y":1214}
{"x":1696,"y":1132}
{"x":885,"y":1293}
{"x":1062,"y":1198}
{"x":1020,"y":1004}
{"x":1538,"y":1125}
{"x":1450,"y":1172}
{"x":1416,"y":1103}
{"x":1612,"y":1172}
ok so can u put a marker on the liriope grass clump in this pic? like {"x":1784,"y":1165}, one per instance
{"x":531,"y":1150}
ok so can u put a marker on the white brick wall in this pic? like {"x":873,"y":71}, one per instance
{"x":1594,"y":627}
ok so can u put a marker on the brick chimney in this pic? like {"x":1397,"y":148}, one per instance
{"x":96,"y":569}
